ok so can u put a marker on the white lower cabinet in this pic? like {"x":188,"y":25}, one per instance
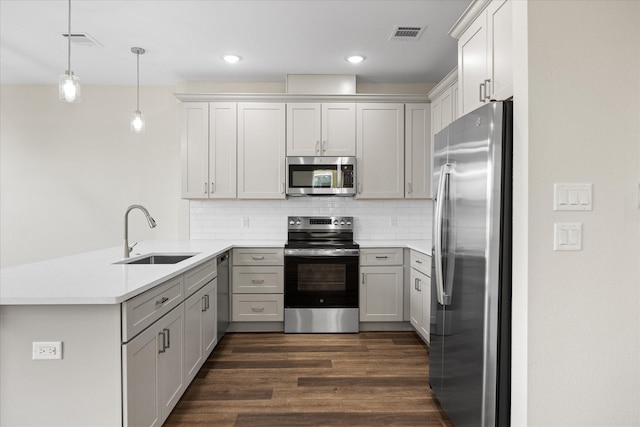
{"x":201,"y":334}
{"x":420,"y":288}
{"x":381,"y":285}
{"x":153,"y":371}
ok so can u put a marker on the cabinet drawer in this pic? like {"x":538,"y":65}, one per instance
{"x":199,"y":276}
{"x":421,"y":262}
{"x":141,"y":311}
{"x":258,"y":308}
{"x":258,"y":280}
{"x":266,"y":256}
{"x":386,"y":256}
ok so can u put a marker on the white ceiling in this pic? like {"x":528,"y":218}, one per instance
{"x":185,"y":40}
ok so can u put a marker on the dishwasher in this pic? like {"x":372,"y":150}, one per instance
{"x":223,"y":294}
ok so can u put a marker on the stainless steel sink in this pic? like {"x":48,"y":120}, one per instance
{"x":158,"y":259}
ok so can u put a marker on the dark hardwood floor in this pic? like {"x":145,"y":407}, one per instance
{"x":276,"y":379}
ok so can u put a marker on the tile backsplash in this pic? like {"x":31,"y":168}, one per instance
{"x":266,"y":219}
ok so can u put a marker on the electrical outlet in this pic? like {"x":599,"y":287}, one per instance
{"x":47,"y":350}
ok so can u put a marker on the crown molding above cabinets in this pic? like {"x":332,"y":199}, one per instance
{"x":288,"y":97}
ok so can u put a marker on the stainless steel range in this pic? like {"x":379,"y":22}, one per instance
{"x":321,"y":276}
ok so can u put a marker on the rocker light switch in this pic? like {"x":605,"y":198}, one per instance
{"x":572,"y":197}
{"x":567,"y":236}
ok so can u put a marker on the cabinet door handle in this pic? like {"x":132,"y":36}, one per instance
{"x":204,"y":304}
{"x":213,"y":187}
{"x":409,"y":190}
{"x":168,"y":334}
{"x":363,"y":278}
{"x":415,"y":284}
{"x":283,"y":188}
{"x":162,"y":301}
{"x":482,"y":92}
{"x":324,"y":147}
{"x":206,"y":299}
{"x":487,"y":94}
{"x":419,"y":285}
{"x":163,"y":349}
{"x":257,"y":281}
{"x":318,"y":147}
{"x":257,"y":309}
{"x":359,"y":187}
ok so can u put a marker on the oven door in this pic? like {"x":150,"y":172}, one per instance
{"x":313,"y":281}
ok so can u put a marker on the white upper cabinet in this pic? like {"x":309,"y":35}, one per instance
{"x":208,"y":149}
{"x":417,"y":151}
{"x":261,"y":150}
{"x":380,"y":150}
{"x":315,"y":129}
{"x":485,"y":69}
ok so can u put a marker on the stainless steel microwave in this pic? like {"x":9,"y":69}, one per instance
{"x":321,"y":176}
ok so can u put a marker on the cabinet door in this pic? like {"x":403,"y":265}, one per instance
{"x":194,"y":306}
{"x":500,"y":43}
{"x":381,"y":294}
{"x":171,"y":361}
{"x":424,"y":284}
{"x":472,"y":65}
{"x":140,"y":358}
{"x":380,"y":151}
{"x":194,"y":149}
{"x":416,"y":302}
{"x":222,"y":150}
{"x":210,"y":319}
{"x":339,"y":129}
{"x":418,"y":151}
{"x":261,"y":150}
{"x":303,"y":129}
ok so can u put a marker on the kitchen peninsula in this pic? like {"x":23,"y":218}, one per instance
{"x":86,"y":302}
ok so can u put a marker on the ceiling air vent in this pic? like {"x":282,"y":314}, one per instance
{"x":82,"y":39}
{"x":406,"y":33}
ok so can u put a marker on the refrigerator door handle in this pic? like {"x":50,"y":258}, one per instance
{"x":439,"y":213}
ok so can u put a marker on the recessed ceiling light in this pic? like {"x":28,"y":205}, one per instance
{"x":355,"y":59}
{"x":231,"y":59}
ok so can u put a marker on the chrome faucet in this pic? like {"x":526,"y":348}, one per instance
{"x":150,"y":220}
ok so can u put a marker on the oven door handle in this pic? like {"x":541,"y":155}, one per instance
{"x":314,"y":253}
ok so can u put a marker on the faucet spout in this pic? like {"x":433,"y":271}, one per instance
{"x":150,"y":220}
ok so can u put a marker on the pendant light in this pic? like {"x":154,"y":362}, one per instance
{"x":69,"y":83}
{"x":137,"y":123}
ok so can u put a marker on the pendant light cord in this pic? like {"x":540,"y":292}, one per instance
{"x":138,"y":81}
{"x":69,"y":42}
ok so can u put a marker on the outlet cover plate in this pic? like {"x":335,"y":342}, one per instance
{"x":47,"y":350}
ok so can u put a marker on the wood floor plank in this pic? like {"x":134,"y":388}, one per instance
{"x":276,"y":379}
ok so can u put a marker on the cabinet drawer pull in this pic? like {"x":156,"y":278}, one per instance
{"x":257,"y":258}
{"x":418,"y":261}
{"x":381,"y":257}
{"x":257,"y":280}
{"x":162,"y":301}
{"x":257,"y":309}
{"x":164,"y":348}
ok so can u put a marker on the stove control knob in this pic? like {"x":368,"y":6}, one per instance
{"x":341,"y":222}
{"x":298,"y":222}
{"x":348,"y":222}
{"x":335,"y":222}
{"x":291,"y":222}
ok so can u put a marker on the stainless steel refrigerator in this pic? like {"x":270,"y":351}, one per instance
{"x":470,"y":331}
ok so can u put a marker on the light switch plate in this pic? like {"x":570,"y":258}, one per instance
{"x":572,"y":197}
{"x":567,"y":236}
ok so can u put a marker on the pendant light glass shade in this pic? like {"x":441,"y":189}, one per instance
{"x":69,"y":87}
{"x":69,"y":83}
{"x":137,"y":123}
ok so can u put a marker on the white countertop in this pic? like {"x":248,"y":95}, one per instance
{"x":93,"y":278}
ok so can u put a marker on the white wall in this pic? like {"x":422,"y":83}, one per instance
{"x":69,"y":171}
{"x":267,"y":219}
{"x":583,"y":308}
